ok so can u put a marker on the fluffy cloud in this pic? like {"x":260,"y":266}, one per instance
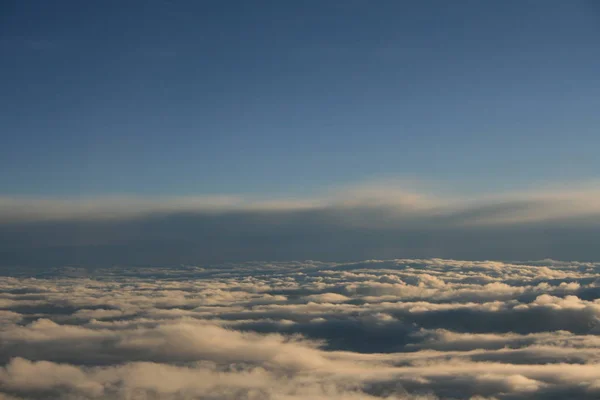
{"x":395,"y":329}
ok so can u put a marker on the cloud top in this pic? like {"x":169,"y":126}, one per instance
{"x":379,"y":329}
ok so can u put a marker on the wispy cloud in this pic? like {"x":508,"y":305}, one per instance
{"x":512,"y":208}
{"x":363,"y":221}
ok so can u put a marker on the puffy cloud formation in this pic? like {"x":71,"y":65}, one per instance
{"x":396,"y":329}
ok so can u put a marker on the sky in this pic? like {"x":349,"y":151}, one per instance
{"x":159,"y":131}
{"x":192,"y":98}
{"x":299,"y":199}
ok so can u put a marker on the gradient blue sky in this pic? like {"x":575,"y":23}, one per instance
{"x":283,"y":97}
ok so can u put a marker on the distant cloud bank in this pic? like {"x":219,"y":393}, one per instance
{"x":396,"y":329}
{"x":368,"y":221}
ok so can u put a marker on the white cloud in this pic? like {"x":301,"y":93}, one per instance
{"x":395,"y":329}
{"x":394,"y":200}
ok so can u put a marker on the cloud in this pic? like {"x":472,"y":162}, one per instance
{"x":365,"y":222}
{"x":377,"y":329}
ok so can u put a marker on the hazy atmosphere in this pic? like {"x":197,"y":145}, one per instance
{"x":294,"y":200}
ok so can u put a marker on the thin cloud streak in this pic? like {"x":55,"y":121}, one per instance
{"x":369,"y":221}
{"x":527,"y":206}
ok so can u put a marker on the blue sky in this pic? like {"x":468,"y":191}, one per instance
{"x":162,"y":132}
{"x":156,"y":98}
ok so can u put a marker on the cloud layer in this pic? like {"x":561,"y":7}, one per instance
{"x":376,"y":221}
{"x":396,"y":329}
